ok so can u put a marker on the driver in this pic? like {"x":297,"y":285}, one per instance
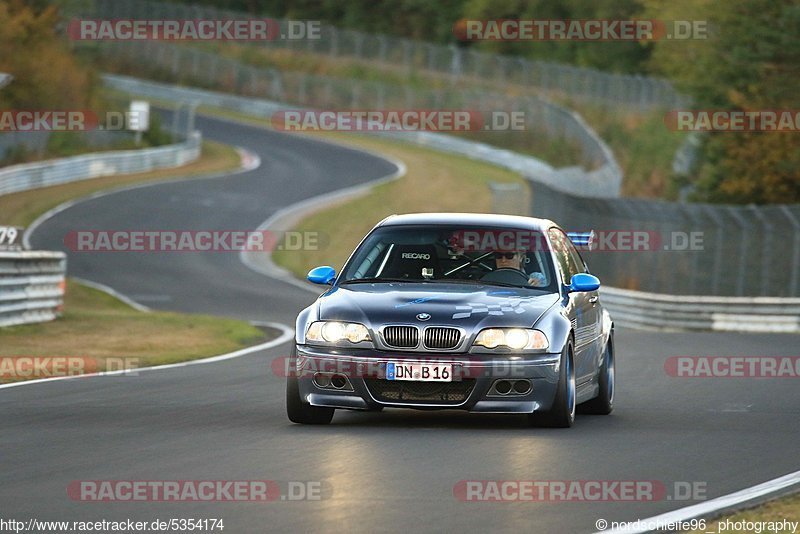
{"x":513,"y":259}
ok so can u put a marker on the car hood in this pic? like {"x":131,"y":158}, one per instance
{"x":465,"y":305}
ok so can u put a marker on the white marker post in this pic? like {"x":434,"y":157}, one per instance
{"x":139,"y":118}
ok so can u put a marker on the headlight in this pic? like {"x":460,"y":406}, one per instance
{"x":336,"y":332}
{"x":513,"y":338}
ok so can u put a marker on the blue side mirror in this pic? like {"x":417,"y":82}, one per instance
{"x":584,"y":282}
{"x":322,"y":275}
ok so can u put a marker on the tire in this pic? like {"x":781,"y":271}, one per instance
{"x":562,"y":413}
{"x":302,"y":412}
{"x":603,"y":404}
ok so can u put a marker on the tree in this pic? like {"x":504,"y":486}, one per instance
{"x":46,"y":74}
{"x":750,"y":62}
{"x":618,"y":56}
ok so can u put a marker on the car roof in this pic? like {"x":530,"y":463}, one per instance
{"x":468,"y":219}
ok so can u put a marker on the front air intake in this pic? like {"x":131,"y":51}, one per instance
{"x":442,"y":337}
{"x":401,"y":337}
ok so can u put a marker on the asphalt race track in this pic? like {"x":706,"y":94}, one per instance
{"x":390,"y":471}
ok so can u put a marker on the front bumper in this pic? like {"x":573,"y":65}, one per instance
{"x":474,"y":385}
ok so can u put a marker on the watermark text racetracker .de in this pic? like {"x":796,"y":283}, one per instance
{"x":192,"y":240}
{"x":69,"y":120}
{"x":733,"y":366}
{"x":578,"y":491}
{"x":14,"y":368}
{"x":250,"y":29}
{"x":579,"y":30}
{"x":608,"y":240}
{"x":733,"y":120}
{"x":253,"y":491}
{"x":398,"y":120}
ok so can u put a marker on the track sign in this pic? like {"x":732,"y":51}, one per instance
{"x":139,"y":116}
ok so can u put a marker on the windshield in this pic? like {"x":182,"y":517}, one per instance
{"x":486,"y":256}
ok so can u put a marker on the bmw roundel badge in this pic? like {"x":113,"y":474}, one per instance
{"x":423,"y":316}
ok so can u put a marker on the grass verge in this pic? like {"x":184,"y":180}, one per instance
{"x":785,"y":508}
{"x":101,"y":329}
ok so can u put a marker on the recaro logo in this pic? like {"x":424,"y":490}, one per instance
{"x":415,"y":256}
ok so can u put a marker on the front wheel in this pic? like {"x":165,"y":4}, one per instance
{"x":562,"y":413}
{"x":302,"y":412}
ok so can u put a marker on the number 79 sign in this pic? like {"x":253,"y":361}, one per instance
{"x":10,"y":237}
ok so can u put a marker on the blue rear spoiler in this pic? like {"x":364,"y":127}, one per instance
{"x":582,"y":240}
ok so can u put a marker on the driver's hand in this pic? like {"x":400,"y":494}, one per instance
{"x":537,"y":280}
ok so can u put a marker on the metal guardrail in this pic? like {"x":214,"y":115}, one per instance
{"x":27,"y":176}
{"x":675,"y":312}
{"x":31,"y":286}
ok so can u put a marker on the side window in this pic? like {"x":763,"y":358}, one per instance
{"x":576,"y":257}
{"x":561,"y":254}
{"x":569,"y":261}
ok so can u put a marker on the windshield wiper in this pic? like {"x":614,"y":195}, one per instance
{"x":380,"y":280}
{"x":483,"y":283}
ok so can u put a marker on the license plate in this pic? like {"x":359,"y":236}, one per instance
{"x":419,"y":372}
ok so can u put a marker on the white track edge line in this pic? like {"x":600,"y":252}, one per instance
{"x":714,"y":505}
{"x":114,"y":293}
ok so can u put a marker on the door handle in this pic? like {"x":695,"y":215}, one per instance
{"x":594,"y":299}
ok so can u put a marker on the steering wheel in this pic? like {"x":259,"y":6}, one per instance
{"x":476,"y":261}
{"x":506,"y":275}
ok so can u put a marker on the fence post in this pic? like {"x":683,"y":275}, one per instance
{"x":793,"y":282}
{"x":455,"y":62}
{"x":742,"y":249}
{"x":276,"y":88}
{"x":382,"y":48}
{"x":407,"y":56}
{"x":694,"y":271}
{"x":334,"y":42}
{"x":359,"y":44}
{"x":301,"y":91}
{"x":719,"y":235}
{"x":195,"y":62}
{"x":766,"y":250}
{"x":381,"y":97}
